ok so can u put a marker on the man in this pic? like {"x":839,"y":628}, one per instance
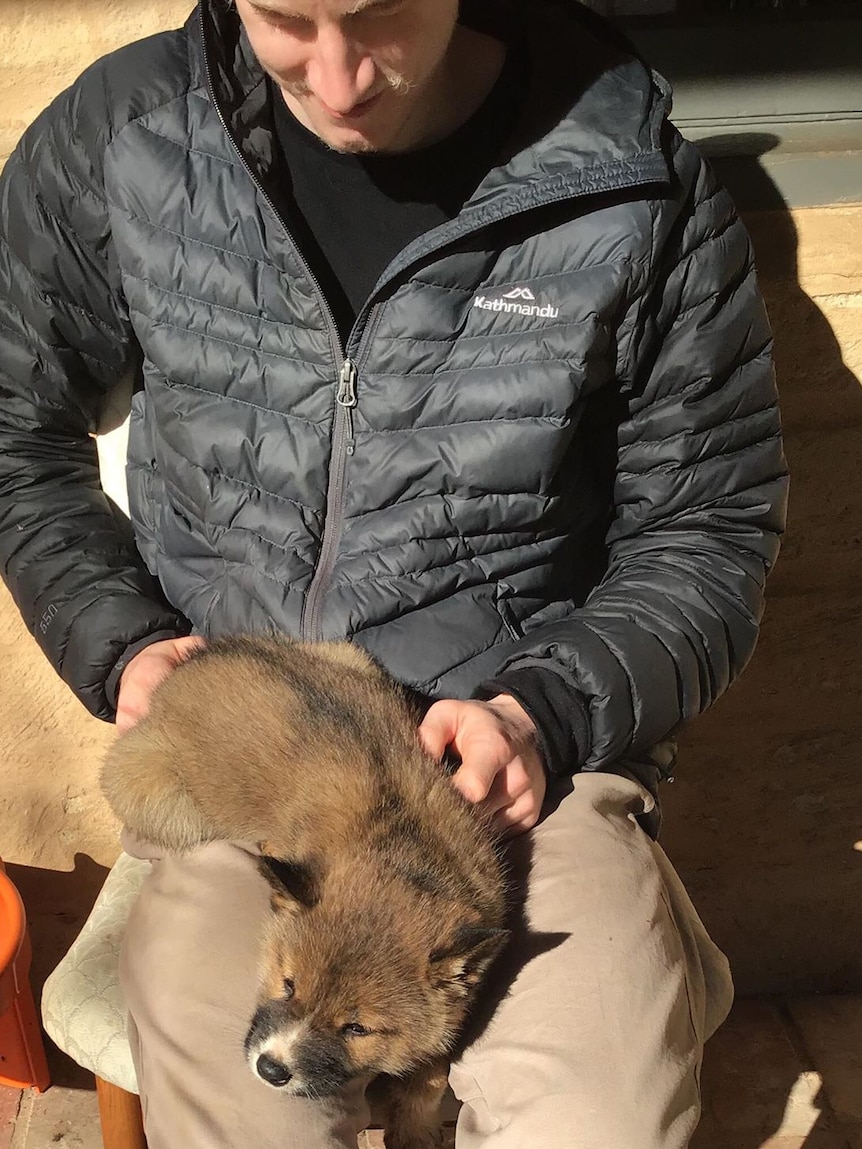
{"x":444,"y":342}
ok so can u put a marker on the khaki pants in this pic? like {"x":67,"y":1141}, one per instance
{"x":608,"y":994}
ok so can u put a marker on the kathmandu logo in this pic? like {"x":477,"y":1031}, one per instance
{"x":518,"y":301}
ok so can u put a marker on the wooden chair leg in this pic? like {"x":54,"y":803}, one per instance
{"x":121,"y":1117}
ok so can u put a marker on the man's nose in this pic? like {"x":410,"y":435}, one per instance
{"x":339,"y":71}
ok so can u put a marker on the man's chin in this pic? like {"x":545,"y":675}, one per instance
{"x":352,"y":147}
{"x":377,"y":134}
{"x":352,"y":141}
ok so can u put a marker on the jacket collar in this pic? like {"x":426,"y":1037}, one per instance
{"x":594,"y":112}
{"x":228,"y":68}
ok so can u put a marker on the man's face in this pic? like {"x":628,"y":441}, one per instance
{"x":363,"y":75}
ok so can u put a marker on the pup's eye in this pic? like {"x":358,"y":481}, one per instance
{"x":289,"y":987}
{"x":354,"y":1029}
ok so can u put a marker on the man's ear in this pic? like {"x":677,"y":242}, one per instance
{"x":294,"y":885}
{"x":463,"y":963}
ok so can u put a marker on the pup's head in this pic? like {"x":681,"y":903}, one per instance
{"x":354,"y":986}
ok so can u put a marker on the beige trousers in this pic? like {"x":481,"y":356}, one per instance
{"x":591,"y":1035}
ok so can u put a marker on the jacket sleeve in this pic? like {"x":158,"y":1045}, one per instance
{"x":65,"y":345}
{"x":699,"y":491}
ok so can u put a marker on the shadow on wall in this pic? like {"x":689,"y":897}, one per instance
{"x":765,"y":818}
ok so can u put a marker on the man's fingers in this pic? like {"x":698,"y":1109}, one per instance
{"x":511,"y":801}
{"x":145,"y":671}
{"x":485,"y":752}
{"x":516,"y":818}
{"x":500,"y":769}
{"x":481,"y":759}
{"x":127,"y":716}
{"x":437,"y":728}
{"x":134,"y":703}
{"x":475,"y":780}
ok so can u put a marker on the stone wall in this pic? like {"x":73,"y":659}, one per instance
{"x":765,"y":817}
{"x":44,"y":44}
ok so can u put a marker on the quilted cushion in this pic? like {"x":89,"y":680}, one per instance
{"x":82,"y":1007}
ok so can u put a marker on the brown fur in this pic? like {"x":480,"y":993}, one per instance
{"x":388,"y":908}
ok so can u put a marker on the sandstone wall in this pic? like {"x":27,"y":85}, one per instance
{"x":44,"y":44}
{"x":765,"y":817}
{"x":49,"y":746}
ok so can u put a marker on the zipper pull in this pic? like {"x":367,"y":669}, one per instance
{"x":346,"y":395}
{"x":346,"y":398}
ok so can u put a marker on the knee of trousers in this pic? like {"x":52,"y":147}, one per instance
{"x":588,"y":1123}
{"x":600,"y":1028}
{"x":631,"y":1088}
{"x":190,"y":952}
{"x":190,"y":975}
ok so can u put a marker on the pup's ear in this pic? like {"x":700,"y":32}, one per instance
{"x":294,"y":884}
{"x":463,"y":963}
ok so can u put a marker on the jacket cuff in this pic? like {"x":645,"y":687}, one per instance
{"x":560,"y":714}
{"x":112,"y":683}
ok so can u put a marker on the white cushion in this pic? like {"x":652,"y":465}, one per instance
{"x":82,"y":1007}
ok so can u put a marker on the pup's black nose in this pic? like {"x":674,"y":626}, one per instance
{"x":272,"y":1071}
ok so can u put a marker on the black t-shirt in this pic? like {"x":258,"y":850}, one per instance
{"x":352,"y":214}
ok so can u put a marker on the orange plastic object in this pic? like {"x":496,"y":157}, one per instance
{"x":22,"y":1054}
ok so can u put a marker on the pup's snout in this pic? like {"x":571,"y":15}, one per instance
{"x":272,"y":1071}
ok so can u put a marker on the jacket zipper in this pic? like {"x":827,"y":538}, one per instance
{"x":310,"y":627}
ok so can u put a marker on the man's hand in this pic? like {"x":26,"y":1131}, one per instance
{"x":144,"y":673}
{"x":501,"y":766}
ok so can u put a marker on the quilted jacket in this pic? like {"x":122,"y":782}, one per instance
{"x":550,"y":441}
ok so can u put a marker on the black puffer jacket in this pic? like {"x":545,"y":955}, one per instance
{"x":551,"y":439}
